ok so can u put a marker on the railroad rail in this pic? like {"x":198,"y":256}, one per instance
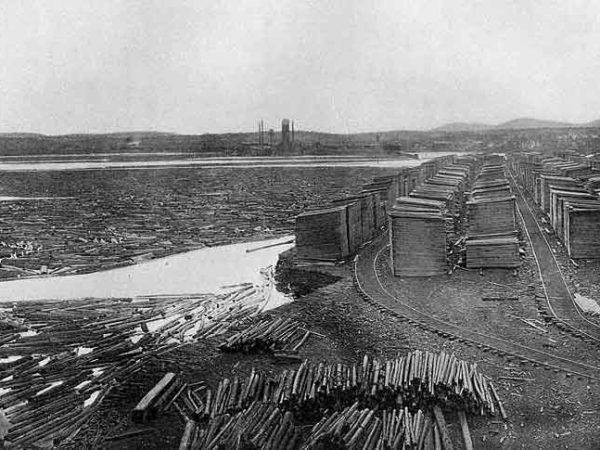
{"x":369,"y":285}
{"x":560,"y":301}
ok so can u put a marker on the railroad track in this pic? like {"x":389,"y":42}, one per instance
{"x":559,"y":300}
{"x":369,"y":285}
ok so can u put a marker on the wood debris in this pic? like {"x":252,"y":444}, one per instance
{"x":270,"y":335}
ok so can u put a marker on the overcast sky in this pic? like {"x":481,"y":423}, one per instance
{"x":210,"y":66}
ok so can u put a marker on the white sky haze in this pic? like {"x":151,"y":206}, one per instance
{"x":77,"y":66}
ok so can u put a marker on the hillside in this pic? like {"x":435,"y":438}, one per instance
{"x":463,"y":126}
{"x":527,"y":122}
{"x":522,"y":123}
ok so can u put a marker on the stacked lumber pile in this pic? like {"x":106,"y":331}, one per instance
{"x":337,"y":231}
{"x":379,"y":201}
{"x":62,"y":359}
{"x":418,"y":237}
{"x":357,"y":229}
{"x":322,"y":234}
{"x":391,"y":183}
{"x":491,"y":215}
{"x":581,"y":223}
{"x":548,"y":182}
{"x":491,"y":240}
{"x":270,"y":335}
{"x":360,"y":224}
{"x":557,"y":199}
{"x":419,"y":223}
{"x":568,"y":192}
{"x":493,"y":251}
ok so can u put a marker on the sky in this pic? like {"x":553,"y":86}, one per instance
{"x":196,"y":66}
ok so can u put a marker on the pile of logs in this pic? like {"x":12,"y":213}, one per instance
{"x":377,"y":404}
{"x":417,"y":380}
{"x":353,"y":428}
{"x":268,"y":334}
{"x":261,"y":425}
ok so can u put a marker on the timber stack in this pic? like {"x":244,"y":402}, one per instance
{"x":336,"y":231}
{"x":418,"y":237}
{"x":491,"y":239}
{"x":567,"y":192}
{"x":421,"y":222}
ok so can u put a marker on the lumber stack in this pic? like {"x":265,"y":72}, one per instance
{"x":494,"y":251}
{"x":337,"y":231}
{"x":548,"y":182}
{"x":356,"y":233}
{"x":582,"y":229}
{"x":557,"y":199}
{"x":568,"y":192}
{"x":322,"y":234}
{"x":491,"y":215}
{"x":491,"y":240}
{"x":391,"y":185}
{"x":378,"y":202}
{"x":417,"y":237}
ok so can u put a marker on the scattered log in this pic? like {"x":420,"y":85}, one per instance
{"x":129,"y":434}
{"x":143,"y":411}
{"x":464,"y":425}
{"x":441,"y":423}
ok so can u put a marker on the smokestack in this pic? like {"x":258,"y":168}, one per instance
{"x":285,"y":136}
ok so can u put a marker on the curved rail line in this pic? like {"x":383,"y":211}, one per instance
{"x":369,"y":285}
{"x":559,"y":299}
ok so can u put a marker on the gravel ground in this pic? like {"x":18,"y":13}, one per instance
{"x":547,"y":410}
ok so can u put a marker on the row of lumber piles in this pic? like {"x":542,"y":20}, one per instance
{"x":419,"y":223}
{"x":491,"y":239}
{"x":337,"y":231}
{"x":395,"y":399}
{"x":418,"y":237}
{"x":566,"y":191}
{"x":447,"y":185}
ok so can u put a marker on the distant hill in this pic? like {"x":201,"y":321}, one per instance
{"x":592,"y":124}
{"x":522,"y":123}
{"x":527,"y":123}
{"x":463,"y":126}
{"x":20,"y":135}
